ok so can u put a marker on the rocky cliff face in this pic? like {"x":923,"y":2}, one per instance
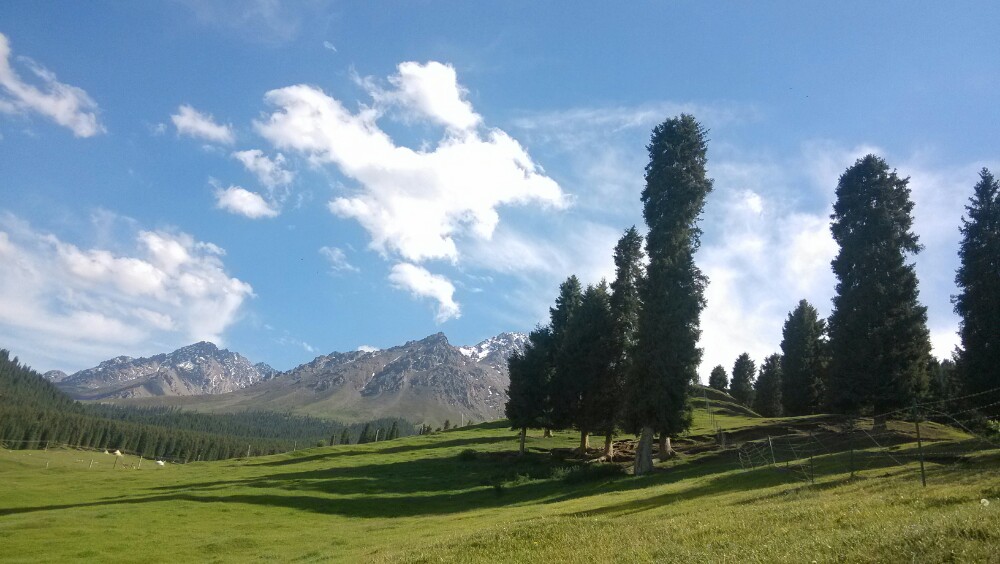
{"x":469,"y":381}
{"x":201,"y":368}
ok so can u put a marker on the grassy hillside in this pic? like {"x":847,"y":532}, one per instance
{"x":461,"y":496}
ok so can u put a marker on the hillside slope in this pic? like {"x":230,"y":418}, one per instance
{"x":462,"y":496}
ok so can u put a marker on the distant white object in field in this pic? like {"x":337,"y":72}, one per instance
{"x":106,"y":451}
{"x":984,"y":502}
{"x":117,"y":453}
{"x":159,"y":463}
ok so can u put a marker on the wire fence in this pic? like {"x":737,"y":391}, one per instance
{"x":957,"y":432}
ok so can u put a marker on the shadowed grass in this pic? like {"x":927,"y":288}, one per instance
{"x":463,"y":496}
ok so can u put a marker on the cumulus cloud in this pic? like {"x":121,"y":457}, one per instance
{"x":428,"y":92}
{"x":63,"y":303}
{"x":270,"y":172}
{"x":422,"y":284}
{"x":414,"y":203}
{"x":67,"y":105}
{"x":193,"y":123}
{"x":337,"y":259}
{"x":241,"y":201}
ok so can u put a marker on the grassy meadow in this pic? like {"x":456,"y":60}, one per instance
{"x":462,"y":496}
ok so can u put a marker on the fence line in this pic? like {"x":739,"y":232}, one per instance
{"x":851,"y":448}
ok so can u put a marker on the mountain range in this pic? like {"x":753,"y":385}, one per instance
{"x":424,"y":381}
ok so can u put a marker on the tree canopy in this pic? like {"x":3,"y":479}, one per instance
{"x":978,"y":280}
{"x":667,"y":352}
{"x":804,"y":361}
{"x":741,"y":386}
{"x":879,"y":343}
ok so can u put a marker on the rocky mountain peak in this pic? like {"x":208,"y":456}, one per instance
{"x":496,"y":350}
{"x":197,"y":369}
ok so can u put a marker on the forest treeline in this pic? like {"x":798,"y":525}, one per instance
{"x":622,"y":356}
{"x":34,"y":413}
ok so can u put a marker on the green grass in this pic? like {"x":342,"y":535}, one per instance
{"x":461,"y":496}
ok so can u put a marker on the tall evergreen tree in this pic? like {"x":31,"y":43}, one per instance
{"x":741,"y":386}
{"x":667,"y":352}
{"x":767,"y":388}
{"x":563,"y":388}
{"x":718,"y":379}
{"x":345,"y":437}
{"x":588,"y":353}
{"x":804,"y":361}
{"x":529,"y":382}
{"x":978,"y":280}
{"x":625,"y":305}
{"x":879,"y":342}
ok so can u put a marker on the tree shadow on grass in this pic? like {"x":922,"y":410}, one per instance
{"x":339,"y":453}
{"x":360,"y":506}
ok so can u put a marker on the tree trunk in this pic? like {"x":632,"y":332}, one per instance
{"x":666,"y":451}
{"x":584,"y":442}
{"x":609,"y":448}
{"x":644,"y":454}
{"x":524,"y":432}
{"x":547,"y":434}
{"x":878,"y":423}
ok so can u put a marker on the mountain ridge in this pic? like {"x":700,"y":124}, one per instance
{"x":424,"y":380}
{"x":199,"y":368}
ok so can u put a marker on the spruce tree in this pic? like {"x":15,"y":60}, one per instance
{"x":718,"y":379}
{"x":741,"y":386}
{"x":804,"y":361}
{"x":625,"y":305}
{"x":667,"y":352}
{"x":879,"y":343}
{"x":978,"y":280}
{"x":345,"y":437}
{"x":563,"y":389}
{"x":588,"y":353}
{"x":767,"y":388}
{"x":529,"y":382}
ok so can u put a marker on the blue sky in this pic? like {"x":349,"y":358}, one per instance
{"x":291,"y":179}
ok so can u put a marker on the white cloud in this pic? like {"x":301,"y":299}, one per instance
{"x":193,"y":123}
{"x":337,"y":259}
{"x":67,"y":105}
{"x":62,"y":303}
{"x":429,"y":92}
{"x":270,"y":172}
{"x":243,"y":202}
{"x":414,"y":203}
{"x":329,"y":46}
{"x":422,"y":284}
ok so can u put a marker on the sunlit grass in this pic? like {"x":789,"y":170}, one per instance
{"x":422,"y":499}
